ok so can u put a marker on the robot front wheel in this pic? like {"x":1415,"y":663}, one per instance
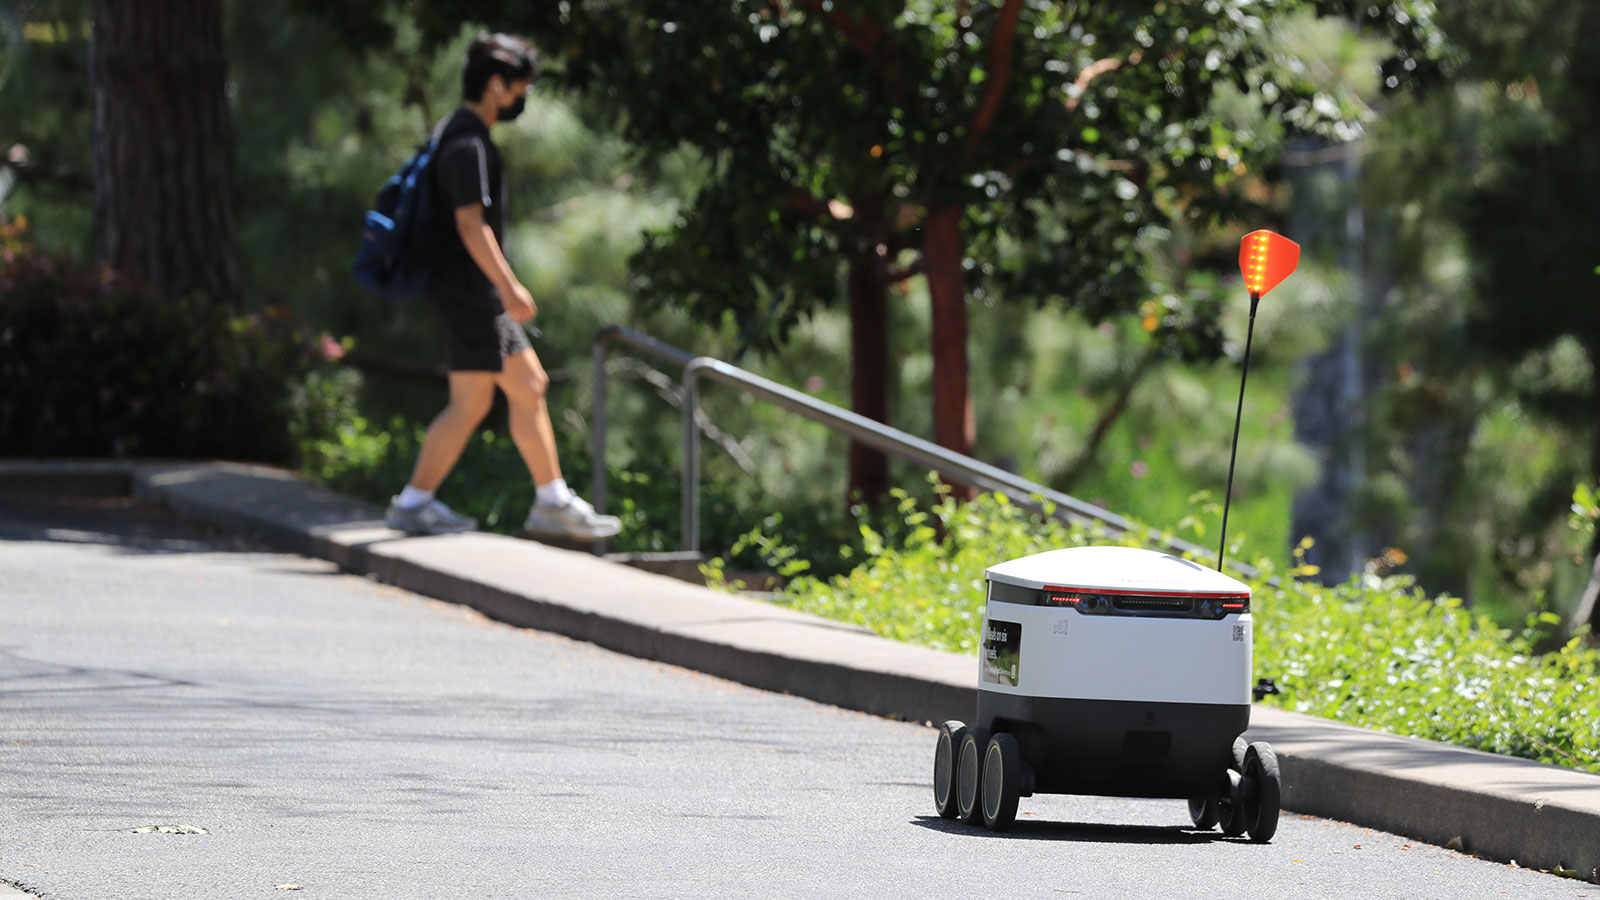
{"x":1261,"y":804}
{"x":978,"y":777}
{"x":1251,"y":797}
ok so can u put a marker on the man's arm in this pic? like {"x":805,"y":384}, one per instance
{"x":478,"y":238}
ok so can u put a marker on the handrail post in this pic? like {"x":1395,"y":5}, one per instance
{"x":690,"y":540}
{"x":597,"y":430}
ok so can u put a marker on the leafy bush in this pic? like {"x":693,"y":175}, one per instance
{"x":1375,"y":652}
{"x":94,"y":365}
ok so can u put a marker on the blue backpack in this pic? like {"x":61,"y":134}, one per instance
{"x":396,"y":253}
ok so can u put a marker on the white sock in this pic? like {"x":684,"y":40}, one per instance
{"x":554,"y":493}
{"x":411,"y":497}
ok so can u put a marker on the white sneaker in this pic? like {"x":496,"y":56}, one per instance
{"x":577,"y":519}
{"x":432,"y":517}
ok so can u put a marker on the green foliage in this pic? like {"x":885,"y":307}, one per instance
{"x":1380,"y":653}
{"x":1585,"y":508}
{"x":1068,"y":135}
{"x":92,"y":365}
{"x":1375,"y":651}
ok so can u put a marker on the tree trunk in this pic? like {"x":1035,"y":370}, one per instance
{"x":869,"y":375}
{"x":163,"y":146}
{"x":942,"y":250}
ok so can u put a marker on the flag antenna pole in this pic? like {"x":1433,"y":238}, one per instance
{"x":1233,"y":452}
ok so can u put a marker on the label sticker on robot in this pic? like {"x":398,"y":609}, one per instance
{"x":1002,"y":652}
{"x":1060,"y":626}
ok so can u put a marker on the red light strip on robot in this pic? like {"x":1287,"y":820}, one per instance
{"x":1200,"y":595}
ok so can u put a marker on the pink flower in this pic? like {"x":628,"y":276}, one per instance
{"x":1139,"y":469}
{"x":814,"y":384}
{"x":332,"y":350}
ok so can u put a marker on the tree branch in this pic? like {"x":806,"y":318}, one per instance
{"x":1095,"y":70}
{"x":1588,"y":609}
{"x":1005,"y":32}
{"x":903,"y":273}
{"x":810,"y":204}
{"x":1108,"y":417}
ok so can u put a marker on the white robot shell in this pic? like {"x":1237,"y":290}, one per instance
{"x":1044,"y":647}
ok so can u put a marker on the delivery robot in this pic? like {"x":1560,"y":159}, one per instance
{"x":1119,"y":671}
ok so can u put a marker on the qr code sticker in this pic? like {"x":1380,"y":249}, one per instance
{"x":1238,"y":632}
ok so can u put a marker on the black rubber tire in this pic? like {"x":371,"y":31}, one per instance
{"x":969,"y":776}
{"x":1002,"y":781}
{"x":1261,"y":810}
{"x":944,"y":767}
{"x":1230,"y":814}
{"x":1205,"y":813}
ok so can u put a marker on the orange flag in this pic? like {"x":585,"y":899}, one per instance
{"x":1265,"y":259}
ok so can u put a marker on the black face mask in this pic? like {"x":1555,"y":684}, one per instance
{"x":508,"y":113}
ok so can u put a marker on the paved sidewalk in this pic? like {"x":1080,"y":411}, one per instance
{"x":1496,"y":807}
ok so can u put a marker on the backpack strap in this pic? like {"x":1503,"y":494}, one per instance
{"x":436,"y":139}
{"x":442,"y":135}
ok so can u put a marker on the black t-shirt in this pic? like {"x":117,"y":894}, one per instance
{"x":466,"y":170}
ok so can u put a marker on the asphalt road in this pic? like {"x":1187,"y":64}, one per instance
{"x":339,"y":738}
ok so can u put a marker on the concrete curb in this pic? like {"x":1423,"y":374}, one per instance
{"x":1495,"y":807}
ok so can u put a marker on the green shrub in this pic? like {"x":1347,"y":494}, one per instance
{"x":95,"y":365}
{"x":1375,"y":652}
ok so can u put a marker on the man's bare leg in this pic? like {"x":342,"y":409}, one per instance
{"x":471,"y":396}
{"x":557,"y":512}
{"x":524,"y":381}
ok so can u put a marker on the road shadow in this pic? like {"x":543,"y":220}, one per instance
{"x":133,"y":527}
{"x":1032,"y":829}
{"x":118,"y":522}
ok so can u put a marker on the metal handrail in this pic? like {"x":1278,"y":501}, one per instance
{"x":877,"y":435}
{"x":597,"y":432}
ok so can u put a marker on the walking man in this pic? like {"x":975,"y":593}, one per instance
{"x":480,"y":306}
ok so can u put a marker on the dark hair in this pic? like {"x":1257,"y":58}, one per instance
{"x":508,"y":56}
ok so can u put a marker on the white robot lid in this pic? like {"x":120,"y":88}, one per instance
{"x":1115,"y":569}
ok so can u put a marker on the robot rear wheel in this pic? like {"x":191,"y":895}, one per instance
{"x":1205,"y":812}
{"x":1229,"y":810}
{"x":945,"y":755}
